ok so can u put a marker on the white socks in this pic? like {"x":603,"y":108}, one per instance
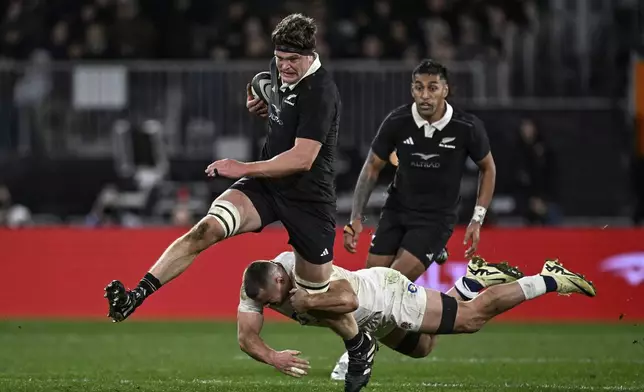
{"x":532,"y":286}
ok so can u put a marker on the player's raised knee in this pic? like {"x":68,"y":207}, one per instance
{"x":313,"y":274}
{"x":223,"y":221}
{"x":416,"y":345}
{"x":205,"y":233}
{"x":469,"y":320}
{"x":227,"y":217}
{"x":425,"y":346}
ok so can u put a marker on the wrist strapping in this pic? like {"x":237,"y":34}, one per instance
{"x":479,"y":214}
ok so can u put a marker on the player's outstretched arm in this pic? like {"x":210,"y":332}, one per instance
{"x":249,"y":326}
{"x":367,"y":180}
{"x":299,"y":158}
{"x":339,"y":299}
{"x":487,"y":181}
{"x":369,"y":174}
{"x":478,"y":149}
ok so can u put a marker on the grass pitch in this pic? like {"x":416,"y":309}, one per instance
{"x":204,"y":356}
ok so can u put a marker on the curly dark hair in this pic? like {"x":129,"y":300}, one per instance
{"x":297,"y":31}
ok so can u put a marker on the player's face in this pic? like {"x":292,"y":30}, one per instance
{"x":429,"y":92}
{"x":275,"y":293}
{"x":292,"y":66}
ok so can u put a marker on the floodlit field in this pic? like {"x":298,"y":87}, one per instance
{"x":182,"y":356}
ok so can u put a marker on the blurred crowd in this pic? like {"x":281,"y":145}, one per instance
{"x":528,"y":48}
{"x":170,"y":29}
{"x":141,"y":196}
{"x":12,"y":214}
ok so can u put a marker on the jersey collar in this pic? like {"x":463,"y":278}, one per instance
{"x":314,"y":67}
{"x":438,"y":125}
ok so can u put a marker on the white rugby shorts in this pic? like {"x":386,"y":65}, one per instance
{"x":388,"y":300}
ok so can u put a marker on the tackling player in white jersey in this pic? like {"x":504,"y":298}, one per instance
{"x":385,"y":303}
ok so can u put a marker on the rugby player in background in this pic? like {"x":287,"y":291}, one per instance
{"x":429,"y":140}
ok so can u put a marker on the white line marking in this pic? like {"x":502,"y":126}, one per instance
{"x":320,"y":382}
{"x":528,"y":361}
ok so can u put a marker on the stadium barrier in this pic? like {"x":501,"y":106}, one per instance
{"x":61,"y":272}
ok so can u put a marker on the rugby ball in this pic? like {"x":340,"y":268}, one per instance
{"x":260,"y":86}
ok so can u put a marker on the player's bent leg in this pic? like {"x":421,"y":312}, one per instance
{"x":499,"y":299}
{"x":230,"y":214}
{"x":385,"y":242}
{"x":409,"y":265}
{"x":374,"y":260}
{"x":424,"y":244}
{"x":468,"y":287}
{"x":420,"y":247}
{"x":411,"y":344}
{"x":314,"y":277}
{"x":445,"y":315}
{"x":312,"y":230}
{"x":481,"y":275}
{"x":440,"y":313}
{"x":431,"y":312}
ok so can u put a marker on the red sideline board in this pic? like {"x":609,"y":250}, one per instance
{"x":61,"y":272}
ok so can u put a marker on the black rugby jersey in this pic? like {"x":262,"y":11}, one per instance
{"x":431,"y":157}
{"x":309,"y":109}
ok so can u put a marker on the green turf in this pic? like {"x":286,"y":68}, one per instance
{"x":146,"y":356}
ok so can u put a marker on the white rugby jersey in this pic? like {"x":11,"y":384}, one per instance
{"x":368,"y":284}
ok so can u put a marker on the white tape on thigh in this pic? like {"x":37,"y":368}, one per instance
{"x":312,"y":287}
{"x":227,"y":215}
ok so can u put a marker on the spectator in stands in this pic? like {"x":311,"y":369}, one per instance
{"x":31,"y":97}
{"x":182,"y":215}
{"x":469,"y":38}
{"x":257,"y":44}
{"x":398,"y":39}
{"x":382,"y":29}
{"x":12,"y":215}
{"x":58,"y":41}
{"x":134,"y":35}
{"x":104,"y":211}
{"x":96,"y":44}
{"x":637,"y":174}
{"x":232,"y":29}
{"x":372,"y":48}
{"x":535,"y":175}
